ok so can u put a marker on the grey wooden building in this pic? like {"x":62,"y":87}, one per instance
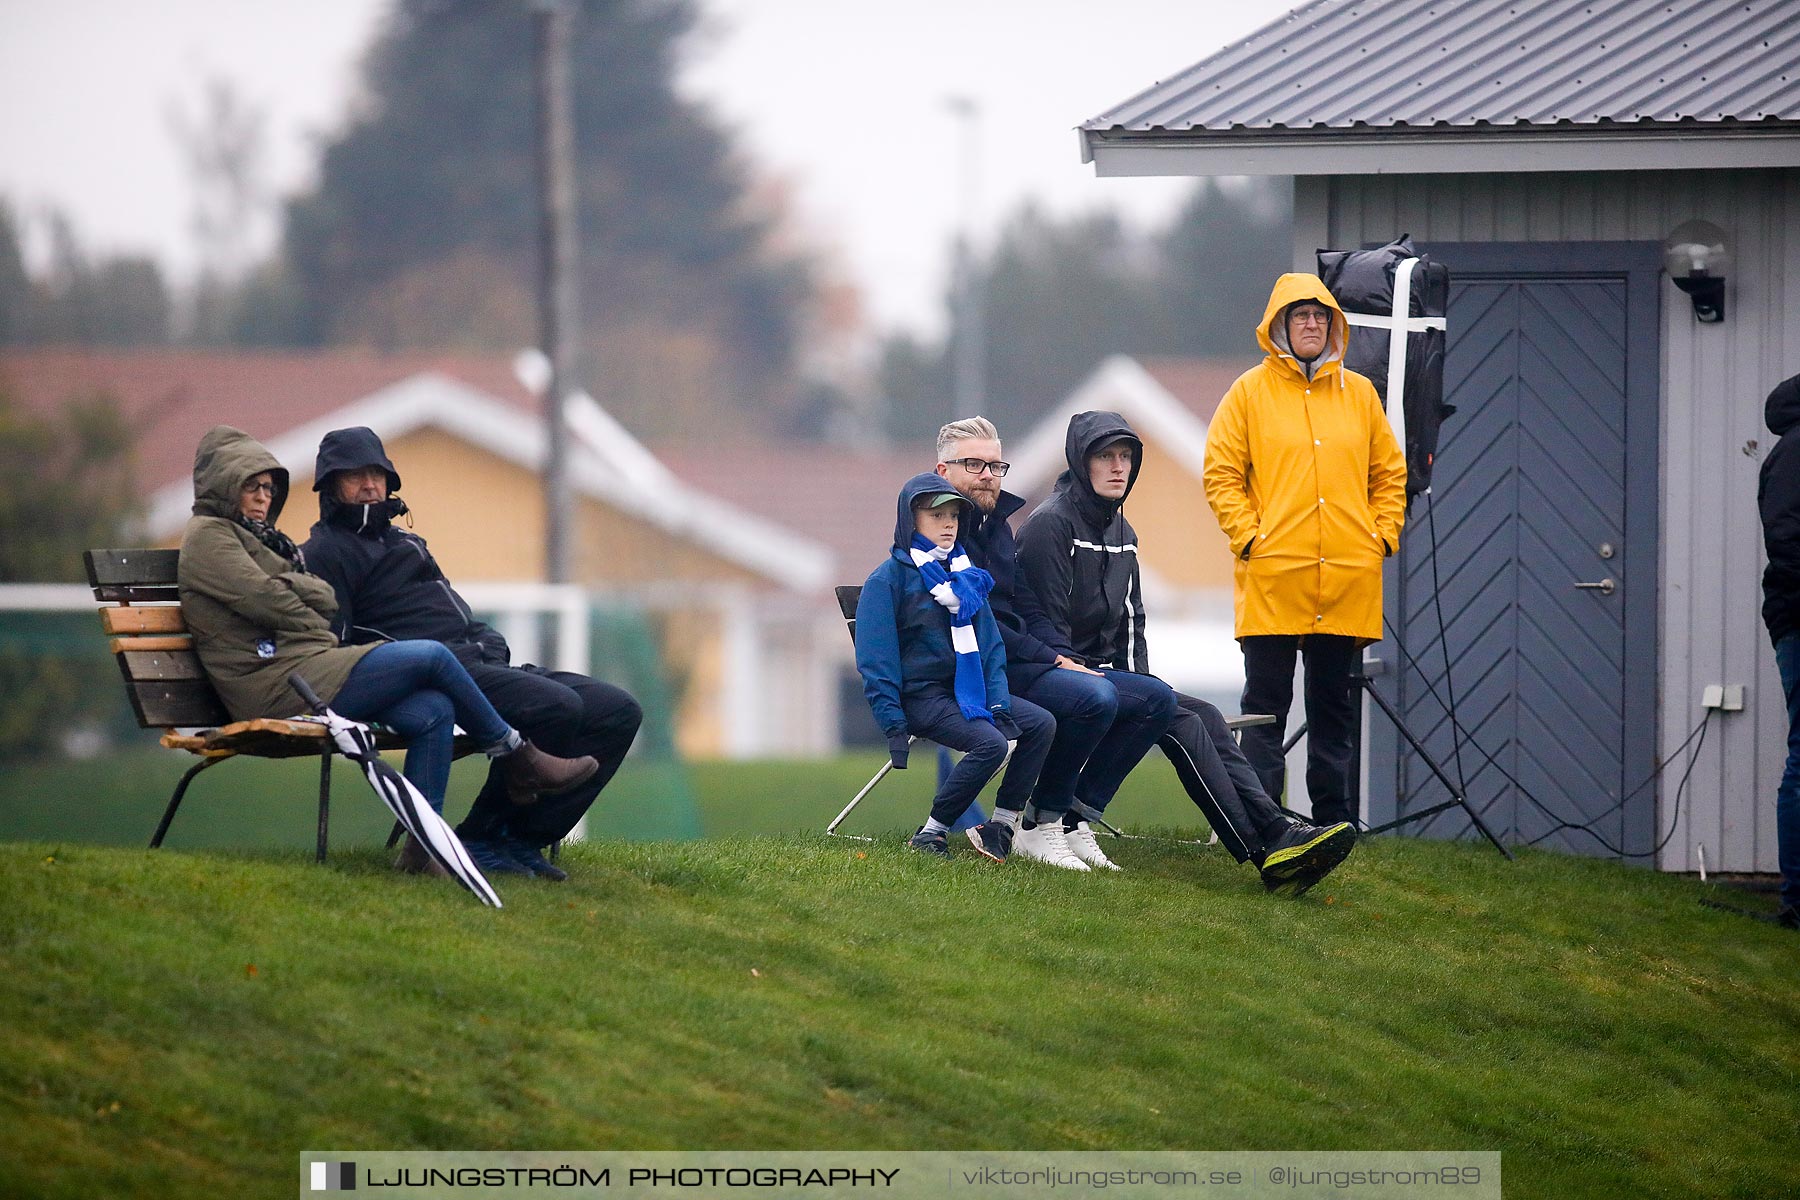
{"x":1546,"y":150}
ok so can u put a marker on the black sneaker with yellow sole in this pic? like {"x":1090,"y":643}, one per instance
{"x":1306,"y":854}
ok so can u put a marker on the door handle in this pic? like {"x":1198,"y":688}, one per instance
{"x":1605,"y":587}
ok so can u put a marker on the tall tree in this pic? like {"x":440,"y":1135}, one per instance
{"x":65,"y":486}
{"x":1061,"y":295}
{"x":118,"y":300}
{"x":422,"y":229}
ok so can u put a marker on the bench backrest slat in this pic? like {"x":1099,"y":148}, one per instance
{"x":160,"y":665}
{"x":131,"y":568}
{"x":166,"y":704}
{"x":149,"y":619}
{"x":120,"y":593}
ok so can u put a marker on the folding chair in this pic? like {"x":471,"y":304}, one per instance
{"x":847,"y":596}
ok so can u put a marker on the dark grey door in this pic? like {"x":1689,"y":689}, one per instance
{"x":1543,"y":589}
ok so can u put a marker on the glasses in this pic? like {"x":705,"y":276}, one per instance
{"x":264,"y":488}
{"x":1310,"y":316}
{"x":976,"y":466}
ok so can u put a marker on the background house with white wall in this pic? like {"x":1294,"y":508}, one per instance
{"x":746,"y":638}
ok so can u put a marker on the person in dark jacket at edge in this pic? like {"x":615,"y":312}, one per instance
{"x":1082,"y":595}
{"x":933,"y":666}
{"x":1081,"y":699}
{"x":390,"y":587}
{"x":1778,"y":499}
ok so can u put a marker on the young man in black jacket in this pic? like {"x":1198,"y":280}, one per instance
{"x":1778,"y":498}
{"x":389,"y":587}
{"x":1081,"y":593}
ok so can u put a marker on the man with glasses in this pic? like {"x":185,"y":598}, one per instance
{"x":1308,"y":482}
{"x":1084,"y":703}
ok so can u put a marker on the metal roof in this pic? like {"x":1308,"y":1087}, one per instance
{"x":1436,"y":64}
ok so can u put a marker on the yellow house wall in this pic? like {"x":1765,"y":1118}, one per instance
{"x":1178,"y":537}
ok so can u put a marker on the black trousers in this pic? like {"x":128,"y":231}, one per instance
{"x":564,"y":714}
{"x":1331,"y":715}
{"x":1220,"y":780}
{"x":937,"y":717}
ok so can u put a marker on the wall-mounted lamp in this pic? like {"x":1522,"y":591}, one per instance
{"x":1698,"y":261}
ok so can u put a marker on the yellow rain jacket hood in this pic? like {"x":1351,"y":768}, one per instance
{"x":1307,"y":481}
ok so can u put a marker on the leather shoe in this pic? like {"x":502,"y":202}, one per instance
{"x":413,"y":860}
{"x":530,"y":772}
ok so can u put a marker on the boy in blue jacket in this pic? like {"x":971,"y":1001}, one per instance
{"x":933,"y":667}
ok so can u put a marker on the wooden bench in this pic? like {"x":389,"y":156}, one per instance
{"x":168,"y":689}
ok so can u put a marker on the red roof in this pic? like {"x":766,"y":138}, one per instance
{"x":842,"y":498}
{"x":1199,"y":383}
{"x":170,"y":397}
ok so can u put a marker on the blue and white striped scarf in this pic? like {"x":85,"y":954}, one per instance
{"x":962,"y":589}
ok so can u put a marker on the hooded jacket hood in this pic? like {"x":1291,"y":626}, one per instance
{"x":347,"y":450}
{"x":927,"y":484}
{"x":225,"y":458}
{"x":1781,"y":412}
{"x":1271,"y":334}
{"x":1088,"y":433}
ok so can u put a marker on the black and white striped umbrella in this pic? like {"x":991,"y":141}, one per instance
{"x":355,"y":742}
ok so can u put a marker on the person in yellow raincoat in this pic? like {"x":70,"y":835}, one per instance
{"x":1309,"y":485}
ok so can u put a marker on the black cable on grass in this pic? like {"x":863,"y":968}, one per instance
{"x":1675,"y":818}
{"x":1459,"y":735}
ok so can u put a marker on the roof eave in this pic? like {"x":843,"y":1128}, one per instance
{"x":1454,"y":151}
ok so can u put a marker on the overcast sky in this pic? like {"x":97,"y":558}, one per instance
{"x":844,"y":101}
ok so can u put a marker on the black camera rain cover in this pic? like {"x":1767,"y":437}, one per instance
{"x":1362,"y":281}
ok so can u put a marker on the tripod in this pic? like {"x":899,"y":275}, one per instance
{"x":1362,"y":680}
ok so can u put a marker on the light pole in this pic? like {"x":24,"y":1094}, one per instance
{"x":557,"y":313}
{"x":968,"y":349}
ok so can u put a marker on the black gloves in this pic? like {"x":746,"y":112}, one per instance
{"x":898,"y":744}
{"x":1006,"y":725}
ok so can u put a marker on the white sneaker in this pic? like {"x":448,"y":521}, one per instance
{"x":1083,"y":845}
{"x":1047,"y":844}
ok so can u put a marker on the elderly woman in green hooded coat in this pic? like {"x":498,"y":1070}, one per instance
{"x":258,"y":616}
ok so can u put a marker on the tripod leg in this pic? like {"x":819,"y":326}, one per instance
{"x":1456,"y":797}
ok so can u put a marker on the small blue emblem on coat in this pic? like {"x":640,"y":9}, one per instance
{"x":265,"y":648}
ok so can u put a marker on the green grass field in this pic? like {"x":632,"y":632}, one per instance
{"x":267,"y":804}
{"x":184,"y":1023}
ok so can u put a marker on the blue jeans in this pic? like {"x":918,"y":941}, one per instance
{"x":1787,"y":795}
{"x":421,"y":692}
{"x":1084,"y":707}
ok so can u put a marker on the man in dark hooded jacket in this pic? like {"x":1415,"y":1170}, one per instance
{"x":1082,"y":595}
{"x":390,"y":588}
{"x":1778,"y":498}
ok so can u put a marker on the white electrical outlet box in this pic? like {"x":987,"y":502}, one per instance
{"x":1726,"y":697}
